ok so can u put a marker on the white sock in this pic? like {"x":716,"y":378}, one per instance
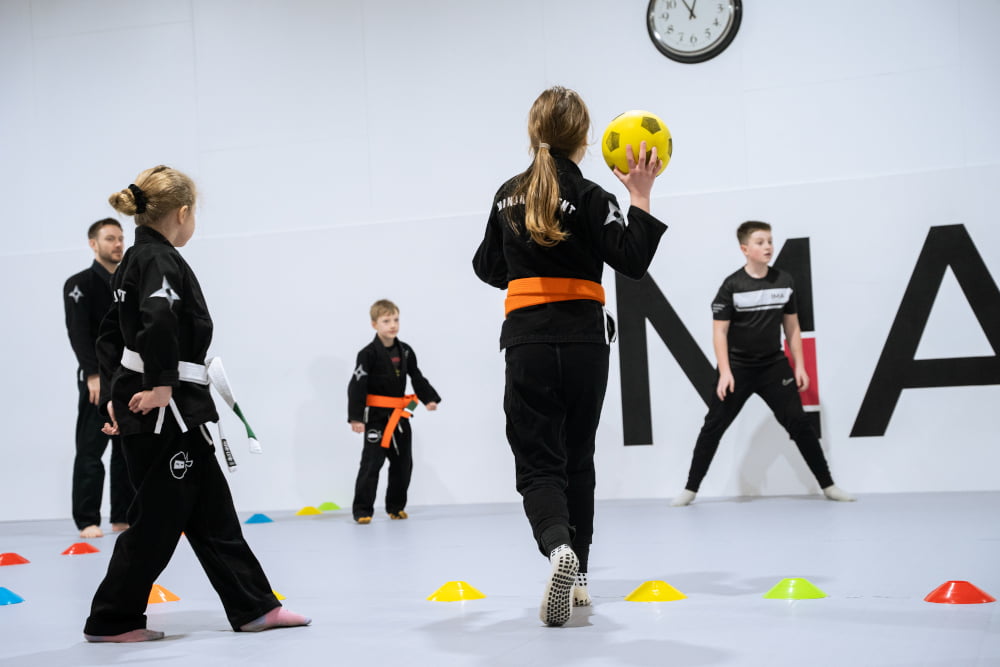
{"x":834,"y":492}
{"x":581,"y":597}
{"x":683,"y":498}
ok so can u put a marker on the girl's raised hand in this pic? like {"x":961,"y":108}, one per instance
{"x":641,"y":174}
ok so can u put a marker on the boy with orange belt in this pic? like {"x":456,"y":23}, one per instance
{"x":379,"y":407}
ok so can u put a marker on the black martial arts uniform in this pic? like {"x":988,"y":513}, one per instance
{"x":160,"y":313}
{"x":755,"y":309}
{"x":557,"y":353}
{"x":382,"y":371}
{"x":87,"y":297}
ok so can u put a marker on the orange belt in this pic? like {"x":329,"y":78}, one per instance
{"x":525,"y":292}
{"x":399,"y":405}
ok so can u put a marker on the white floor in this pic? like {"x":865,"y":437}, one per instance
{"x":366,"y":587}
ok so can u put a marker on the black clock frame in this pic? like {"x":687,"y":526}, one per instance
{"x":696,"y":57}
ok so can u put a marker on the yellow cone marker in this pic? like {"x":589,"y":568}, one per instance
{"x":455,"y":591}
{"x":307,"y":510}
{"x":161,"y":594}
{"x":655,"y":591}
{"x":794,"y":589}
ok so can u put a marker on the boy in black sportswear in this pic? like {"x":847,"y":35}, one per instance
{"x":751,"y":308}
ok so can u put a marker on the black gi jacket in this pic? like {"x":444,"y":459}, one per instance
{"x":598,"y":234}
{"x":160,"y":312}
{"x":87,"y":297}
{"x":375,"y":374}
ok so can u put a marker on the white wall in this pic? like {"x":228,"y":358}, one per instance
{"x":348,"y":151}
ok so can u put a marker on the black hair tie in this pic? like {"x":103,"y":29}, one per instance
{"x":140,"y":198}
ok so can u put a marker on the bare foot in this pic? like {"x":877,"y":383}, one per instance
{"x":119,"y":527}
{"x":140,"y":635}
{"x":91,"y":532}
{"x":279,"y":617}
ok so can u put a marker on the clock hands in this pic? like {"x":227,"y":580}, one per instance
{"x":690,"y":8}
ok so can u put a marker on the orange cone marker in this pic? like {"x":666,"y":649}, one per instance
{"x":80,"y":548}
{"x":161,"y":594}
{"x":958,"y":592}
{"x":11,"y":558}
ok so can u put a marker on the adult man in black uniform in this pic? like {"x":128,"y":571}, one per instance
{"x":87,"y":297}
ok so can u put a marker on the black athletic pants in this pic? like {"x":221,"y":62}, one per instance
{"x":400,"y":455}
{"x":553,"y":399}
{"x":179,"y":487}
{"x":775,"y":384}
{"x":88,"y":469}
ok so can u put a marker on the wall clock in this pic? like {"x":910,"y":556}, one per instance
{"x":691,"y":32}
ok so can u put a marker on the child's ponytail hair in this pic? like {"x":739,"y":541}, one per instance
{"x":558,"y":124}
{"x":155,"y":192}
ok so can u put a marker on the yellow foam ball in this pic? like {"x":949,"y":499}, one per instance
{"x":634,"y":127}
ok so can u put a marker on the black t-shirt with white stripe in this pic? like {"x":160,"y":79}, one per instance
{"x":755,"y":309}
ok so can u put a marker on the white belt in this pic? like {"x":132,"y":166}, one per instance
{"x":212,"y":373}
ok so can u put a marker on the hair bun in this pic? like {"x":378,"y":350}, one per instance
{"x":123,"y":201}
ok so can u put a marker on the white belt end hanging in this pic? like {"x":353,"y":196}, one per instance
{"x":213,"y":373}
{"x":219,"y":380}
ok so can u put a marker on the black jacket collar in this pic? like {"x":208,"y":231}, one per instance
{"x":146,"y":234}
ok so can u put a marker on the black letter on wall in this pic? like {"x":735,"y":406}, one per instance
{"x":639,"y":300}
{"x":897,"y":369}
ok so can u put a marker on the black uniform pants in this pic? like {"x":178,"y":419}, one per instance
{"x":775,"y":384}
{"x":179,"y":487}
{"x":553,"y":399}
{"x":373,"y":456}
{"x":88,"y":469}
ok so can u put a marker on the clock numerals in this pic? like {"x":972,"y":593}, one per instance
{"x":694,"y":35}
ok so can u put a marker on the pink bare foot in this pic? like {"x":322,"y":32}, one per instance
{"x":279,"y":617}
{"x":91,"y":532}
{"x":119,"y":527}
{"x":140,"y":635}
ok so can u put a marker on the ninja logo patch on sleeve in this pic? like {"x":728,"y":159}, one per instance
{"x":166,"y":292}
{"x":179,"y":465}
{"x":614,"y":215}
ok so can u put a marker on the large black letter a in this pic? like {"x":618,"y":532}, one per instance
{"x":897,"y":369}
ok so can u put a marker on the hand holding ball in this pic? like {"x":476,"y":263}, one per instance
{"x":634,"y":127}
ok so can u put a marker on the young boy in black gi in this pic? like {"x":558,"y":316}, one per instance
{"x":379,"y":407}
{"x":154,"y":385}
{"x":752,"y":306}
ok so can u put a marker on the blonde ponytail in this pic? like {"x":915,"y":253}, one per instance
{"x":558,"y":123}
{"x":541,"y":200}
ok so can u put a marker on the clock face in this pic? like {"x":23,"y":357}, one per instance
{"x":690,"y":31}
